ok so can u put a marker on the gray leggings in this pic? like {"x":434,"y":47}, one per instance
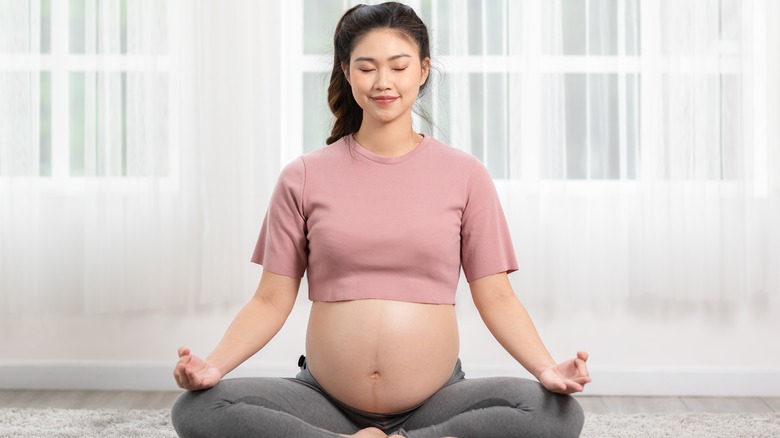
{"x":299,"y":408}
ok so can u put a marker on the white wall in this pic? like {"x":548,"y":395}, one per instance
{"x":633,"y":350}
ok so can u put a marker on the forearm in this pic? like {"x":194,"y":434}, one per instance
{"x":254,"y":326}
{"x":511,"y":325}
{"x":509,"y":322}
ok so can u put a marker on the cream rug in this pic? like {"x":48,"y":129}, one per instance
{"x":691,"y":425}
{"x":157,"y":423}
{"x":85,"y":423}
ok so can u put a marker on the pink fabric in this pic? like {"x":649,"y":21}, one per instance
{"x":395,"y":228}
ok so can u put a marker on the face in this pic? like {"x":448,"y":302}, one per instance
{"x":385,"y":72}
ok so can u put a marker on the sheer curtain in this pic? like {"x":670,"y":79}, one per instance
{"x":634,"y":143}
{"x":659,"y":182}
{"x":637,"y":160}
{"x":136,"y":154}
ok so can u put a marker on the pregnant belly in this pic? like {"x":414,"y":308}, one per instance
{"x":381,"y":356}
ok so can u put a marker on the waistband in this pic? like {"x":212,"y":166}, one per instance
{"x":386,"y":422}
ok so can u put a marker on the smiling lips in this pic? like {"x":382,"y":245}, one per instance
{"x":385,"y":100}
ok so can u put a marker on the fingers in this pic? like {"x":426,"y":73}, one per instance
{"x":182,"y":372}
{"x":178,"y":371}
{"x":568,"y":387}
{"x":581,"y":367}
{"x":583,"y":380}
{"x":180,"y":376}
{"x":575,"y":387}
{"x":577,"y":384}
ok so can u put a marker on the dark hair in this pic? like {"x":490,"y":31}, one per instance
{"x":355,"y":23}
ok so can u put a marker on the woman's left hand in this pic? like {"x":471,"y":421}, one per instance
{"x":567,"y":377}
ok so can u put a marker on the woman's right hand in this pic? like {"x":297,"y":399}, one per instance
{"x":193,"y":373}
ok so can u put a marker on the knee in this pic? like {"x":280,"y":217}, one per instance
{"x":550,"y":414}
{"x":562,"y":411}
{"x":570,"y":416}
{"x":179,"y":412}
{"x":561,"y":415}
{"x":185,"y":415}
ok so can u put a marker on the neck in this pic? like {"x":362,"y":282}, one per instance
{"x":388,"y":139}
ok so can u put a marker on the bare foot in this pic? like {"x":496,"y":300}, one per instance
{"x":371,"y":432}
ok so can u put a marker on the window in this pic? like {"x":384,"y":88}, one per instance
{"x":86,"y":89}
{"x":562,"y":90}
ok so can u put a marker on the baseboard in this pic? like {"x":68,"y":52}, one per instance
{"x":128,"y":376}
{"x":109,"y":376}
{"x":685,"y":382}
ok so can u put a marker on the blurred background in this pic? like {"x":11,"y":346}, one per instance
{"x":634,"y":143}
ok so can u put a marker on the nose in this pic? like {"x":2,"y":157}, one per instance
{"x":381,"y":80}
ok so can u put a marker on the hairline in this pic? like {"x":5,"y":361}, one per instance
{"x":398,"y":31}
{"x":392,"y":58}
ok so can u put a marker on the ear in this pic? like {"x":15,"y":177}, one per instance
{"x":426,"y":69}
{"x":345,"y":69}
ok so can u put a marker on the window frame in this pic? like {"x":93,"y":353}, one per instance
{"x":60,"y":63}
{"x":649,"y":65}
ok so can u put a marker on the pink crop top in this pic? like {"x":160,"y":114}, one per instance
{"x":368,"y":226}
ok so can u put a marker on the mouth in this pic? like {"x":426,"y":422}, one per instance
{"x":384,"y":100}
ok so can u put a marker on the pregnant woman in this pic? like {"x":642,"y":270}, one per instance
{"x":381,"y":220}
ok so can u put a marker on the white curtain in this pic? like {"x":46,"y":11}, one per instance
{"x":691,"y":217}
{"x":169,"y":200}
{"x":161,"y":205}
{"x":634,"y":143}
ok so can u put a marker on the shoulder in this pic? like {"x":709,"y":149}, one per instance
{"x":455,"y":160}
{"x":451,"y":155}
{"x":335,"y":151}
{"x":294,"y":171}
{"x":466,"y":164}
{"x":451,"y":152}
{"x":323,"y":157}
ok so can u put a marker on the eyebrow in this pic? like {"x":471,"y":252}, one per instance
{"x":392,"y":58}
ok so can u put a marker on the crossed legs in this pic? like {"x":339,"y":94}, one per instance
{"x":275,"y":407}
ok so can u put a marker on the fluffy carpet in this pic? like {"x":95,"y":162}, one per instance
{"x":156,"y":423}
{"x":85,"y":423}
{"x":682,"y":425}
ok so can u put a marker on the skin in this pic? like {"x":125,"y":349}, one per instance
{"x":385,"y":63}
{"x":377,"y":355}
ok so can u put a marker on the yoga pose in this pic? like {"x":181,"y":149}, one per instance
{"x":381,"y":220}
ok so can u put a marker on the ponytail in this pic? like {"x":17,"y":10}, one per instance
{"x":342,"y":103}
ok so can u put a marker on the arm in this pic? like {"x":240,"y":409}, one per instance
{"x":254,"y":326}
{"x":509,"y":322}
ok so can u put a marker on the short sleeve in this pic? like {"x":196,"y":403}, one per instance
{"x":486,"y":245}
{"x":282,"y":246}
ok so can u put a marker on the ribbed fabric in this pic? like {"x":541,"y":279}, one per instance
{"x":397,"y":228}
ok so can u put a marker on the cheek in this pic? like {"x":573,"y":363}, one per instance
{"x":413,"y":84}
{"x":359,"y":85}
{"x":415,"y":79}
{"x":359,"y":92}
{"x":355,"y":87}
